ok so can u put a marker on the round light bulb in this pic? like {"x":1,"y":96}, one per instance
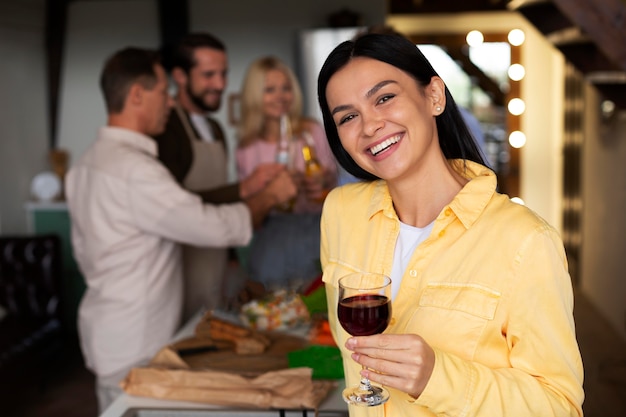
{"x":517,"y":139}
{"x":516,"y":106}
{"x":516,"y":37}
{"x":474,"y":38}
{"x":607,"y":106}
{"x":516,"y":72}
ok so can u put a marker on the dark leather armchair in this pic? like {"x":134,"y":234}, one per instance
{"x":31,"y":331}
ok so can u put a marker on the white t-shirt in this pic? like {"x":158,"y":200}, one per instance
{"x":408,"y":240}
{"x":201,"y":125}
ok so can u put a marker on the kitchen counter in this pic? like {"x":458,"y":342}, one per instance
{"x":132,"y":406}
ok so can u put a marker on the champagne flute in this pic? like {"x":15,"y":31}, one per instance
{"x":364,"y":309}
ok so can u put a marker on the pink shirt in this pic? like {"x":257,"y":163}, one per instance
{"x":261,"y":151}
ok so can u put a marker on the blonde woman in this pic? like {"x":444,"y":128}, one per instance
{"x":287,"y":246}
{"x":270,"y":91}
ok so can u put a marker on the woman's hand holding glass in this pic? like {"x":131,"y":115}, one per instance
{"x":364,"y":309}
{"x":401,"y":361}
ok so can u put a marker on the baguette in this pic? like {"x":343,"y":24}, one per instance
{"x":245,"y":341}
{"x":221,"y":329}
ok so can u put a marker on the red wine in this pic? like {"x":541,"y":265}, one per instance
{"x":364,"y":315}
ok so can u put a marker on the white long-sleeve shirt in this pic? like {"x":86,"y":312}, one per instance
{"x":128,"y":217}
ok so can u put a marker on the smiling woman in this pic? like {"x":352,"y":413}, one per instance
{"x":397,"y":106}
{"x":428,"y":215}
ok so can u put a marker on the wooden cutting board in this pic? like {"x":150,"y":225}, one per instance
{"x":225,"y":359}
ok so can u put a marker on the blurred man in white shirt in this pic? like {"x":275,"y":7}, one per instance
{"x":129,"y":216}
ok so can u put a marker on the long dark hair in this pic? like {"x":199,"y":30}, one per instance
{"x":455,"y":139}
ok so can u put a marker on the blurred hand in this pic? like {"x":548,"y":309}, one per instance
{"x":260,"y":177}
{"x":314,"y":186}
{"x":279,"y":190}
{"x":282,"y":188}
{"x":401,"y":361}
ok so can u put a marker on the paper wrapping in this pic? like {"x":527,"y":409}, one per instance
{"x":283,"y":389}
{"x":260,"y":382}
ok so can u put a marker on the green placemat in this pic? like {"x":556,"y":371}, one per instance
{"x":324,"y":360}
{"x":316,"y":301}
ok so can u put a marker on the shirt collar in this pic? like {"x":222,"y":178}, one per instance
{"x":381,"y":201}
{"x":130,"y":137}
{"x":470,"y":202}
{"x":467,"y":205}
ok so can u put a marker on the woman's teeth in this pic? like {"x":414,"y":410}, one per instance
{"x":376,"y":149}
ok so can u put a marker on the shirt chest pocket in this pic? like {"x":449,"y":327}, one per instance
{"x":454,"y":316}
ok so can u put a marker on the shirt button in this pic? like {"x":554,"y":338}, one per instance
{"x":448,"y":211}
{"x":441,"y":233}
{"x":413,"y":273}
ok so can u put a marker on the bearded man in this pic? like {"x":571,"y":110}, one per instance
{"x":194,"y":149}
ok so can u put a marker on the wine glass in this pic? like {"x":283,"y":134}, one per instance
{"x":364,"y":309}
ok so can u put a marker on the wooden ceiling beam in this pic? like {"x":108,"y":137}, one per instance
{"x":590,"y":34}
{"x":603,"y":21}
{"x":447,"y":6}
{"x":544,"y":15}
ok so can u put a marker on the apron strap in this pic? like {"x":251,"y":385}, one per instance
{"x":191,"y":133}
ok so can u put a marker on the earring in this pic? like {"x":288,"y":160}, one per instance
{"x":438,"y":108}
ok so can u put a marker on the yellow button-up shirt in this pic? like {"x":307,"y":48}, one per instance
{"x":488,"y":290}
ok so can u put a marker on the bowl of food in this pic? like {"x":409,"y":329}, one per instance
{"x":279,"y":310}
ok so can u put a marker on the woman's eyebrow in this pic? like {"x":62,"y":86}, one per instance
{"x":369,"y":94}
{"x":377,"y":87}
{"x":340,"y":108}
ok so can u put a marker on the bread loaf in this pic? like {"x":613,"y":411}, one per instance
{"x":246,"y":341}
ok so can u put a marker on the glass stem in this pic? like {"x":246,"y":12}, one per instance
{"x":365,"y":384}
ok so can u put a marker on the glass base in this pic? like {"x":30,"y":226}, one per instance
{"x":365,"y":395}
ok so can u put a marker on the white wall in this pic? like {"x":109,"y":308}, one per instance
{"x":23,"y":115}
{"x":542,"y":90}
{"x":95,"y":30}
{"x":541,"y":181}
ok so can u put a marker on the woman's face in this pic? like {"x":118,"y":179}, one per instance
{"x":277,"y":94}
{"x":385,"y":120}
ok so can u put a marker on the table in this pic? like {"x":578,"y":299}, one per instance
{"x":131,"y":406}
